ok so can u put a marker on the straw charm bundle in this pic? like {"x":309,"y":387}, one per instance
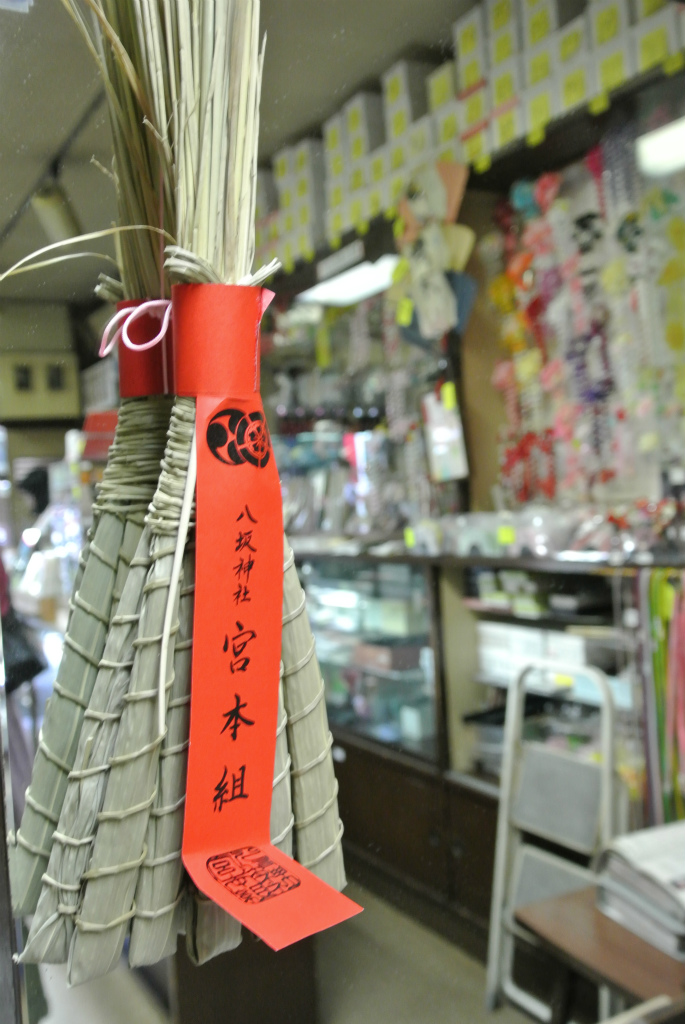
{"x":127,"y":486}
{"x":52,"y":925}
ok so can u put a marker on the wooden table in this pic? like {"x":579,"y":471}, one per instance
{"x":589,"y":943}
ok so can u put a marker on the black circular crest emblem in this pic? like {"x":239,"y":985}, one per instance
{"x":235,"y":437}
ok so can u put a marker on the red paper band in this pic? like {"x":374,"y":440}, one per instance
{"x":237,"y":628}
{"x":216,"y":339}
{"x":142,"y":373}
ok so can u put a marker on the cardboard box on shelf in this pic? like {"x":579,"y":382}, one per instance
{"x":609,"y":21}
{"x":507,"y":125}
{"x":657,"y":38}
{"x":441,"y":86}
{"x":364,"y":125}
{"x":540,"y":62}
{"x":540,"y":19}
{"x":573,"y":39}
{"x":503,"y":46}
{"x":577,"y":82}
{"x":501,"y":14}
{"x":470,"y":47}
{"x":541,"y":105}
{"x":404,"y":84}
{"x":506,"y":83}
{"x":614,"y":63}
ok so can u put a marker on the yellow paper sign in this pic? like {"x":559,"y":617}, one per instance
{"x":653,"y":48}
{"x":607,"y":24}
{"x":539,"y":26}
{"x":394,"y":88}
{"x":399,"y":123}
{"x":357,"y":148}
{"x":448,"y":128}
{"x":504,"y":47}
{"x":501,"y":14}
{"x":474,"y":109}
{"x":332,"y":138}
{"x":409,"y":537}
{"x":574,"y":88}
{"x":440,"y":88}
{"x":467,"y":40}
{"x":504,"y":88}
{"x":472,"y":74}
{"x":353,"y":120}
{"x":505,"y":128}
{"x":540,"y":67}
{"x":612,"y":72}
{"x":570,"y":44}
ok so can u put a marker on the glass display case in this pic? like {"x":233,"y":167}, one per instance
{"x":372,"y":627}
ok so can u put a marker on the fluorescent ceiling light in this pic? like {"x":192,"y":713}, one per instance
{"x":353,"y":285}
{"x":662,"y":151}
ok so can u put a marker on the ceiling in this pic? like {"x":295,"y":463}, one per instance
{"x":319,"y":52}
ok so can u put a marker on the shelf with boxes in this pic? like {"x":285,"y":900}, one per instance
{"x":529,"y":89}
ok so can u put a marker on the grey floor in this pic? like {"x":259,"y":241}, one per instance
{"x":379,"y":967}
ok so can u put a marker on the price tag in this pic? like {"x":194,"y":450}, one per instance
{"x":405,"y":312}
{"x":409,"y":537}
{"x":506,"y":535}
{"x":448,"y":395}
{"x":562,"y":681}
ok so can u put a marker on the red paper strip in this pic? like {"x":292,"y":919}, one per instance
{"x":142,"y":373}
{"x":237,"y":629}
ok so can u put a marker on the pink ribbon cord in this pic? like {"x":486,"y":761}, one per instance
{"x":119,"y":326}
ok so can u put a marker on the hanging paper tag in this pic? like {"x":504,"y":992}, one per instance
{"x":237,"y":629}
{"x":149,"y":371}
